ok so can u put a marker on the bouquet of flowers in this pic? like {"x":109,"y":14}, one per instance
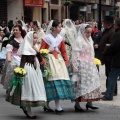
{"x":97,"y":61}
{"x":47,"y":71}
{"x":19,"y":73}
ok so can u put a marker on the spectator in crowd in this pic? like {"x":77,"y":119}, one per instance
{"x":114,"y":51}
{"x":10,"y":25}
{"x":96,"y":36}
{"x":106,"y":39}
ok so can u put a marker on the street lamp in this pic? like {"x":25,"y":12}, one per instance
{"x":99,"y":21}
{"x":67,"y":4}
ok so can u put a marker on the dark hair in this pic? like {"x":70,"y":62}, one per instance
{"x":117,"y":21}
{"x":35,"y":23}
{"x":88,"y":26}
{"x":34,"y":32}
{"x":19,"y":22}
{"x":62,"y":21}
{"x":55,"y":23}
{"x":20,"y":28}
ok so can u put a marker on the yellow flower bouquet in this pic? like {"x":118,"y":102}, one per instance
{"x":97,"y":61}
{"x":44,"y":53}
{"x":46,"y":72}
{"x":19,"y":73}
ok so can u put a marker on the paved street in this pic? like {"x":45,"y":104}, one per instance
{"x":108,"y":110}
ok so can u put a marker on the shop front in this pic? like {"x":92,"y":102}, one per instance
{"x":27,"y":10}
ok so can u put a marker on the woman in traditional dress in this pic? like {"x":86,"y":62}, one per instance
{"x":69,"y":35}
{"x":32,"y":92}
{"x":58,"y":85}
{"x":39,"y":30}
{"x":12,"y":59}
{"x":85,"y":76}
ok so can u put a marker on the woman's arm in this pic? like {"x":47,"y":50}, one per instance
{"x":9,"y":56}
{"x":9,"y":49}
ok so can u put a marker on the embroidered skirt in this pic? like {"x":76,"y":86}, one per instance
{"x":59,"y":86}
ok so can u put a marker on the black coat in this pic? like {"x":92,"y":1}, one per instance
{"x":107,"y":37}
{"x":114,"y":50}
{"x":96,"y":40}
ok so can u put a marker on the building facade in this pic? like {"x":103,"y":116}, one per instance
{"x":89,"y":9}
{"x":55,"y":9}
{"x":16,"y":9}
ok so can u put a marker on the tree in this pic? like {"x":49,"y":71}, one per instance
{"x":67,"y":3}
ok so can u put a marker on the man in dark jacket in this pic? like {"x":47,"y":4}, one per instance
{"x":114,"y":51}
{"x":106,"y":39}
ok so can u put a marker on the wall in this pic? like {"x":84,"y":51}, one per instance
{"x":55,"y":10}
{"x":37,"y":13}
{"x":14,"y":9}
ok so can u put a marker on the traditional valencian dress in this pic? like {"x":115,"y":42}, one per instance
{"x":32,"y":92}
{"x":9,"y":66}
{"x":85,"y":76}
{"x":69,"y":34}
{"x":58,"y":85}
{"x":40,"y":33}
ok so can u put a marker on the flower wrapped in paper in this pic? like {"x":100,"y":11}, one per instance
{"x":47,"y":72}
{"x":97,"y":61}
{"x":19,"y":73}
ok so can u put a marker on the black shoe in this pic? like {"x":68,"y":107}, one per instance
{"x":115,"y":94}
{"x":6,"y":91}
{"x":106,"y":99}
{"x":59,"y":111}
{"x":78,"y":109}
{"x":91,"y":107}
{"x":48,"y":109}
{"x":24,"y":110}
{"x":31,"y":117}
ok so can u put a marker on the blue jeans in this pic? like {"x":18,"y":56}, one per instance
{"x":112,"y":81}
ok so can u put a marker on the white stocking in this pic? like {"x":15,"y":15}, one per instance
{"x":57,"y":105}
{"x":77,"y":104}
{"x":29,"y":111}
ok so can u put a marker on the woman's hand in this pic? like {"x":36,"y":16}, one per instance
{"x":96,"y":46}
{"x":9,"y":59}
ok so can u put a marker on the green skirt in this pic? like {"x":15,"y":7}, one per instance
{"x":59,"y":89}
{"x":15,"y":99}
